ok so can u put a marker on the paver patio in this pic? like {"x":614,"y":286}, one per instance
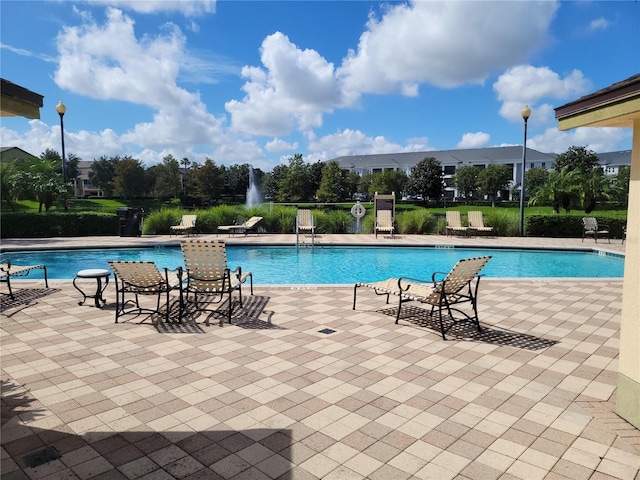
{"x":271,"y":397}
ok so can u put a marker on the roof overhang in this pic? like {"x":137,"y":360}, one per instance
{"x":615,"y":106}
{"x":17,"y":101}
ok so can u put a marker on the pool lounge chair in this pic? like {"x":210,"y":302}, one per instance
{"x":443,"y":292}
{"x":591,"y":227}
{"x":186,"y":226}
{"x":476,"y":223}
{"x":245,"y":227}
{"x":384,"y":222}
{"x":144,"y":278}
{"x":7,"y":271}
{"x":305,"y":223}
{"x":454,"y":223}
{"x":208,"y":277}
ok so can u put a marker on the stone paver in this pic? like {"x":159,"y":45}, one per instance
{"x":532,"y":396}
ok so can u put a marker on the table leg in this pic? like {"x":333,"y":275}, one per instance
{"x":100,"y":290}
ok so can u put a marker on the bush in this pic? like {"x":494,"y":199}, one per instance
{"x":569,"y":226}
{"x":334,"y":221}
{"x":58,"y":224}
{"x":504,"y":223}
{"x":416,"y":222}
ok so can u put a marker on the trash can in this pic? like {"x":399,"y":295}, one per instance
{"x":129,"y":221}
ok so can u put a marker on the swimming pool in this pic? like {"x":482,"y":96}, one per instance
{"x":345,"y":265}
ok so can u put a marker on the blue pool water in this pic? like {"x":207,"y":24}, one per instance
{"x":343,"y":265}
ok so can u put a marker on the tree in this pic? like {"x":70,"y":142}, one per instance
{"x":426,"y":179}
{"x":561,"y":189}
{"x":271,"y":180}
{"x":294,"y":187}
{"x":621,"y":183}
{"x":576,"y":158}
{"x":236,"y":180}
{"x":351,"y":182}
{"x":466,"y":180}
{"x":595,"y":186}
{"x":102,"y":173}
{"x":387,"y":182}
{"x":492,"y":179}
{"x":129,"y":180}
{"x":332,"y":185}
{"x":185,"y":162}
{"x":534,"y":179}
{"x":168,"y":178}
{"x":208,"y":181}
{"x":315,"y":175}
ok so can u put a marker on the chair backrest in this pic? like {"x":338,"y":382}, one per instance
{"x":138,"y":273}
{"x":252,"y":222}
{"x":475,"y":219}
{"x":188,"y":220}
{"x":204,"y":260}
{"x":304,"y":218}
{"x":384,"y":219}
{"x":590,"y":223}
{"x":453,"y":218}
{"x":463,"y":272}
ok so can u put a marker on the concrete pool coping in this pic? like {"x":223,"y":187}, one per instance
{"x":269,"y":397}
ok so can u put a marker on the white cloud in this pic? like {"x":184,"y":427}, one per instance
{"x":599,"y":24}
{"x":526,"y":85}
{"x":444,"y":43}
{"x":596,"y":139}
{"x":293,"y":90}
{"x":474,"y":140}
{"x":279,"y":145}
{"x":355,"y":142}
{"x":188,"y":8}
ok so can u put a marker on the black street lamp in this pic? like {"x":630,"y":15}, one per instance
{"x":61,"y":109}
{"x":526,"y":113}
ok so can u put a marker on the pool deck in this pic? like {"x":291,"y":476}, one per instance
{"x":271,"y":397}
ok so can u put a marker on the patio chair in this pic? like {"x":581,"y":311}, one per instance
{"x":209,"y":276}
{"x":624,"y":234}
{"x":305,"y":223}
{"x":245,"y":227}
{"x":7,"y":271}
{"x":186,"y":226}
{"x":476,"y":223}
{"x":384,"y":222}
{"x":591,"y":227}
{"x":454,"y":223}
{"x":443,"y":292}
{"x":144,"y":278}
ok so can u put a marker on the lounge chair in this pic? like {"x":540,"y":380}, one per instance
{"x":186,"y":226}
{"x":7,"y":271}
{"x":476,"y":223}
{"x":591,"y":227}
{"x":384,"y":222}
{"x":458,"y":286}
{"x":208,"y":275}
{"x":245,"y":227}
{"x":454,"y":223}
{"x":305,"y":223}
{"x":144,"y":278}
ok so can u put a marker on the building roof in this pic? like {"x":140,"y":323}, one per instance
{"x":614,"y":106}
{"x":449,"y":157}
{"x":17,"y":101}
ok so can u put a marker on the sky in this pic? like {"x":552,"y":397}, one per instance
{"x":256,"y":82}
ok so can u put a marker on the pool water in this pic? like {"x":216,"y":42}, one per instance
{"x":344,"y":265}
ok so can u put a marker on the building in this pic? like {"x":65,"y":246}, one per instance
{"x":618,"y":106}
{"x":8,"y":154}
{"x":83,"y":186}
{"x":451,"y":160}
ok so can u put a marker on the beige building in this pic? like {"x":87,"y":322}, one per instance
{"x":619,"y":106}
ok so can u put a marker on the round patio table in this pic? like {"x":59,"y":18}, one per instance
{"x":93,"y":273}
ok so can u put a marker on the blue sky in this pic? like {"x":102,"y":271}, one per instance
{"x":257,"y":82}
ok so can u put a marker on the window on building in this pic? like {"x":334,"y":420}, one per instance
{"x":449,"y":169}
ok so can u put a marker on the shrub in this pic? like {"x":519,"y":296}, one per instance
{"x":160,"y":221}
{"x":335,"y":221}
{"x":58,"y":224}
{"x":416,"y":221}
{"x":504,"y":223}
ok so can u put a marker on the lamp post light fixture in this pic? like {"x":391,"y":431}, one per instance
{"x":61,"y":109}
{"x":526,"y":113}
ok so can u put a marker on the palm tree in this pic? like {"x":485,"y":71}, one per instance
{"x":562,"y":189}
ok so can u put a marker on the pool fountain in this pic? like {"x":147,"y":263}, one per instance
{"x":254,"y":196}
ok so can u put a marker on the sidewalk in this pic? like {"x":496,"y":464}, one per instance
{"x":271,"y":397}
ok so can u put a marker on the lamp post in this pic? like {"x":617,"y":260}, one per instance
{"x":61,"y":109}
{"x":526,"y":113}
